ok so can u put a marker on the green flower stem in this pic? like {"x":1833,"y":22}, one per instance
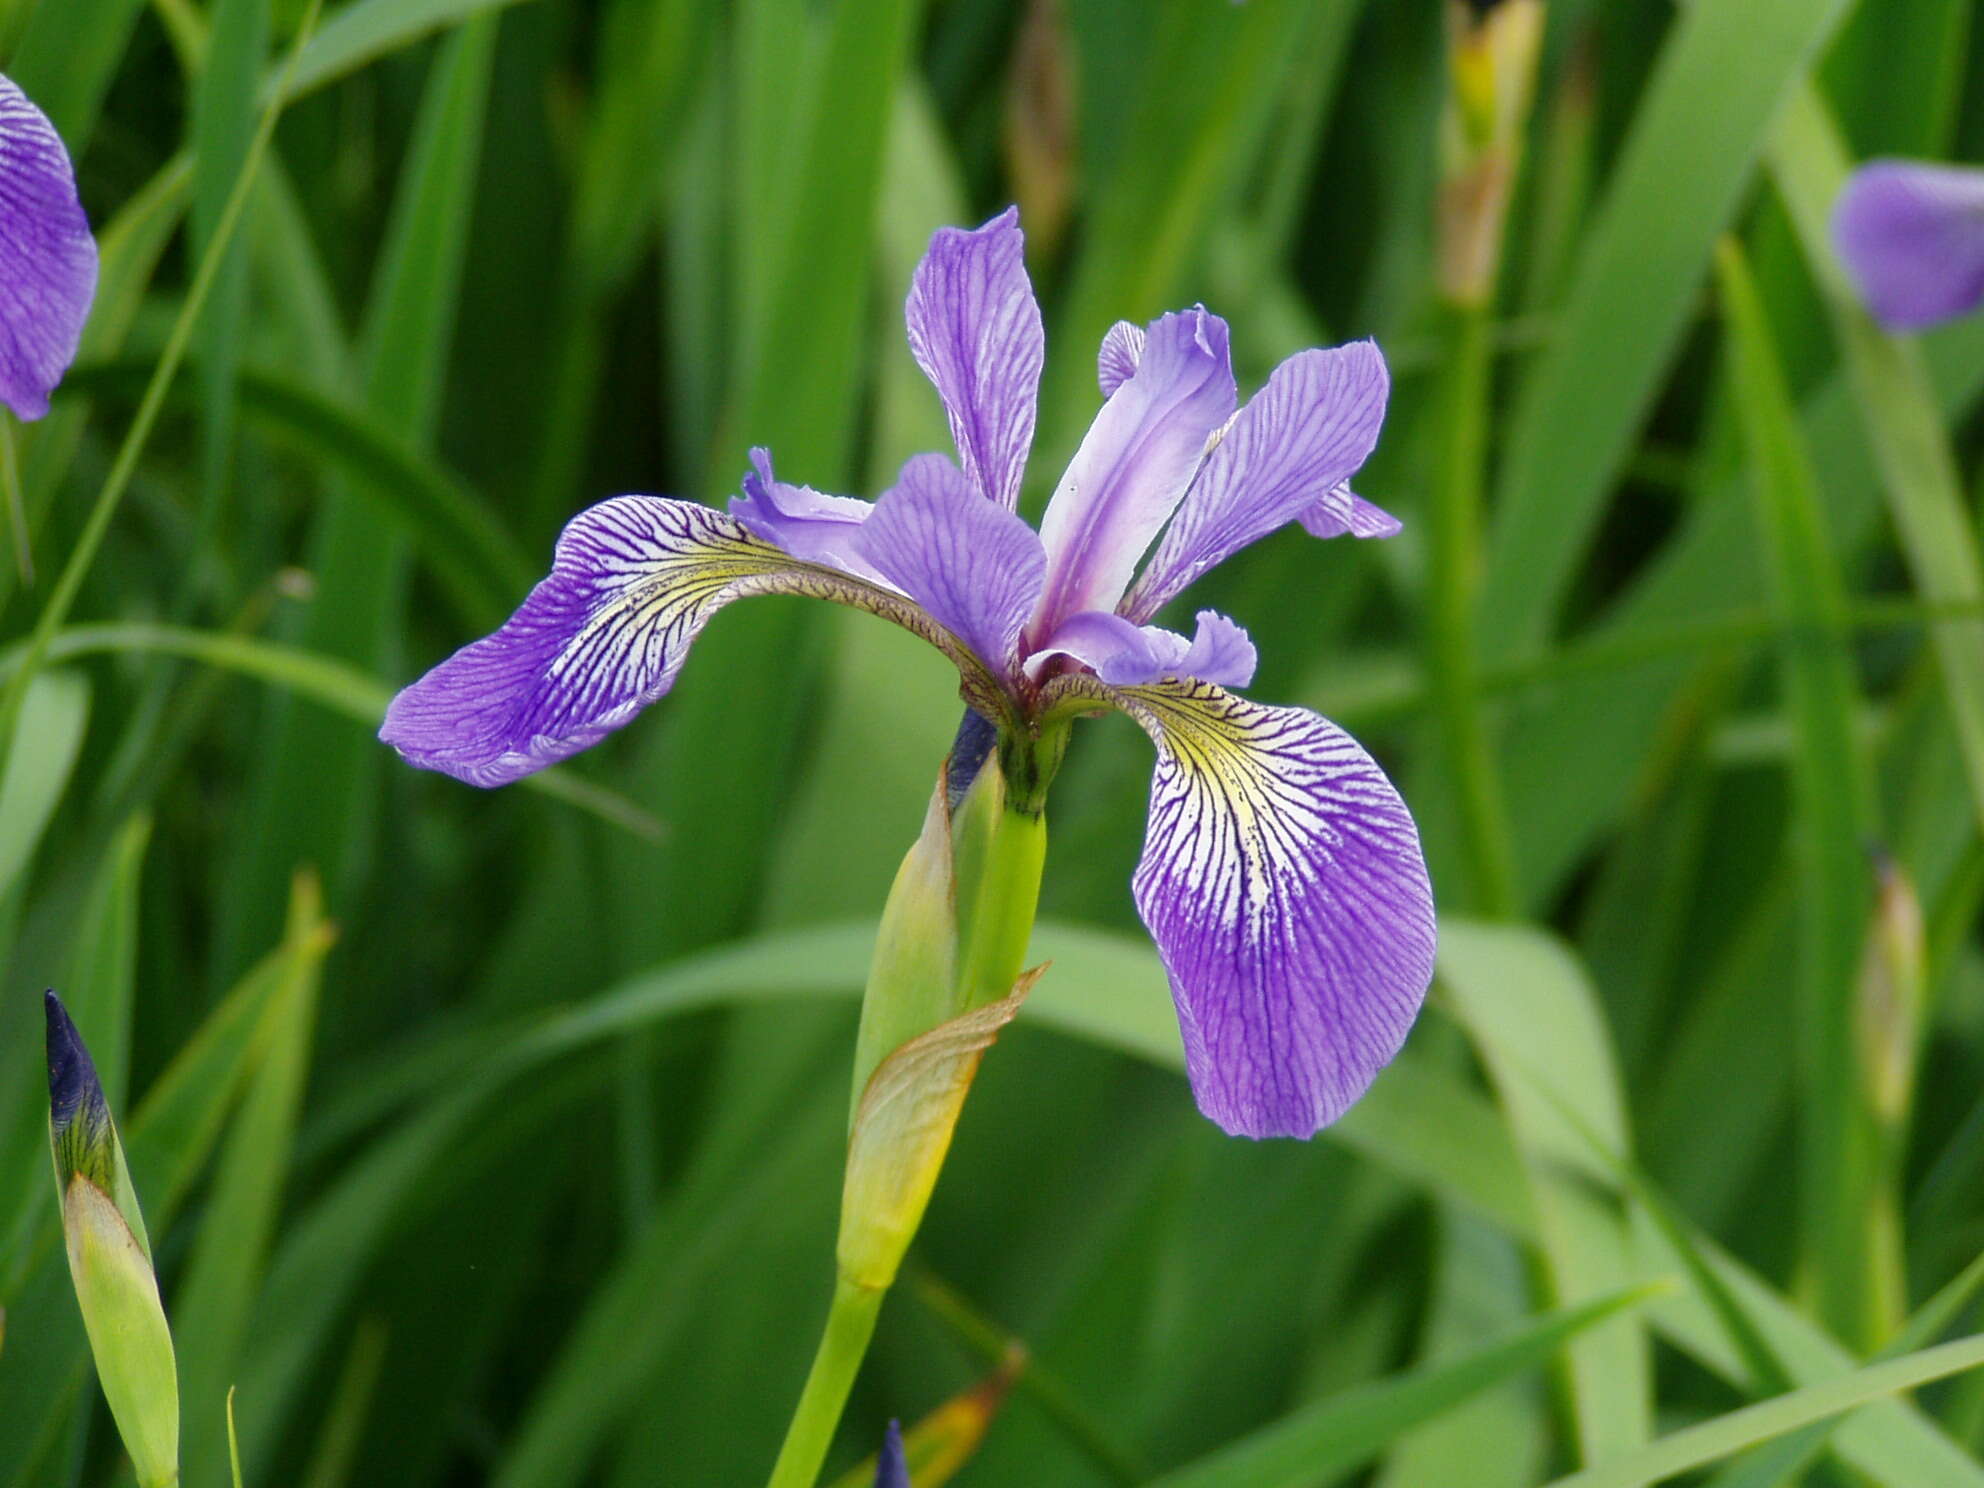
{"x":998,"y":897}
{"x":850,"y":1324}
{"x":1453,"y":556}
{"x":963,"y":904}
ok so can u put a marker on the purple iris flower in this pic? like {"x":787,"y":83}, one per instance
{"x":1281,"y":875}
{"x":1912,"y":236}
{"x":47,"y":257}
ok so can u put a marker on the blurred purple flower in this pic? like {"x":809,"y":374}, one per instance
{"x":891,"y":1467}
{"x":47,"y":257}
{"x":1912,"y":236}
{"x":1281,"y":875}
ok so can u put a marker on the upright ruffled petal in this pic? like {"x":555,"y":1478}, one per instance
{"x":47,"y":257}
{"x":1342,"y":512}
{"x":810,"y":525}
{"x":1912,"y":236}
{"x":1282,"y":880}
{"x":1297,"y":440}
{"x":1135,"y":464}
{"x":975,"y":329}
{"x":633,"y":583}
{"x":974,"y":567}
{"x":1116,"y":362}
{"x":1125,"y":654}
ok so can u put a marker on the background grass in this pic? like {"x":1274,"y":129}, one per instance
{"x":496,"y":1137}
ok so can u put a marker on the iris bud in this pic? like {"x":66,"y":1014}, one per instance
{"x":110,"y":1258}
{"x":1491,"y":74}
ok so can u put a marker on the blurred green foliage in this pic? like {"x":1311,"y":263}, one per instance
{"x":530,"y":1178}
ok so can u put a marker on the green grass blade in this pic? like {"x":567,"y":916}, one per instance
{"x":40,"y":756}
{"x":366,"y":30}
{"x":316,"y":791}
{"x":1341,"y":1433}
{"x":223,"y":129}
{"x":1833,"y":791}
{"x":67,"y":57}
{"x":213,"y":1307}
{"x":1698,"y":1445}
{"x":1537,"y":1024}
{"x":1695,"y":137}
{"x":485,"y":568}
{"x":1778,"y":1464}
{"x":1904,"y":425}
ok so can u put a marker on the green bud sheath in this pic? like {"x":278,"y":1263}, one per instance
{"x":110,"y":1258}
{"x":912,"y":978}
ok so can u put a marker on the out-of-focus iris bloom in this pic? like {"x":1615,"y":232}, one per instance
{"x":892,"y":1467}
{"x":47,"y":257}
{"x":1912,"y":236}
{"x":1281,"y":875}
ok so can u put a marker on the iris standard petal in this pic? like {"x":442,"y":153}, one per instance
{"x":1282,"y":880}
{"x":634,"y":581}
{"x":1912,"y":236}
{"x":1301,"y":436}
{"x":974,"y":327}
{"x":1341,"y":511}
{"x":1116,"y":362}
{"x":1134,"y":465}
{"x":810,"y":525}
{"x":47,"y":257}
{"x":974,"y":567}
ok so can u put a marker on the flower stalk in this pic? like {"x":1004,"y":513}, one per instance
{"x":1491,"y":70}
{"x":945,"y":978}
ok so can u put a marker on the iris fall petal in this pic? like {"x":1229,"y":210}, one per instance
{"x":1282,"y":880}
{"x":47,"y":257}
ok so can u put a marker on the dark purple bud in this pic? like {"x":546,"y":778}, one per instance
{"x":892,"y":1468}
{"x":78,"y":1116}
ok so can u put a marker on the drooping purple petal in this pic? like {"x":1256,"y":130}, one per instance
{"x":1134,"y":465}
{"x":1282,"y":880}
{"x":1297,"y":440}
{"x":808,"y":524}
{"x":892,"y":1467}
{"x":633,"y":583}
{"x":975,"y":330}
{"x":47,"y":257}
{"x":974,"y":567}
{"x":1116,"y":362}
{"x":1341,"y":511}
{"x":1912,"y":237}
